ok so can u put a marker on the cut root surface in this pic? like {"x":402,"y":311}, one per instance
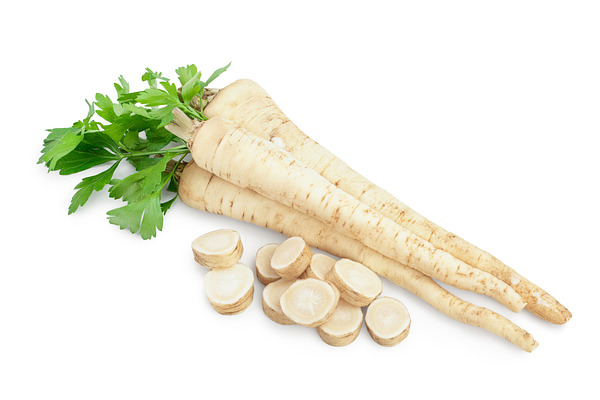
{"x":218,"y":249}
{"x":230,"y":290}
{"x":271,"y":298}
{"x":291,"y":258}
{"x":343,"y":326}
{"x":264,"y":272}
{"x":319,"y":266}
{"x":388,"y":321}
{"x":309,"y":302}
{"x":358,"y":285}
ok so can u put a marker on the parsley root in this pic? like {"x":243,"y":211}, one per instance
{"x":218,"y":249}
{"x":271,"y":304}
{"x":309,"y":302}
{"x":343,"y":326}
{"x":247,"y":104}
{"x":264,"y":272}
{"x":204,"y":191}
{"x":291,"y":258}
{"x":387,"y":321}
{"x":248,"y":161}
{"x":320,"y":265}
{"x":357,"y":284}
{"x":230,"y":290}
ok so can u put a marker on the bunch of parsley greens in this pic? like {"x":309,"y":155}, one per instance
{"x":131,"y":129}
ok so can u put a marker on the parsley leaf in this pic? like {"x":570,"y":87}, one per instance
{"x":139,"y":185}
{"x":59,"y":143}
{"x":88,"y":185}
{"x":144,"y":216}
{"x":132,"y":129}
{"x":216,"y":74}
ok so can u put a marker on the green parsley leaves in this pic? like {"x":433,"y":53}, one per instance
{"x":131,"y":129}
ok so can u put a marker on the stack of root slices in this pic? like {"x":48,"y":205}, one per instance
{"x":316,"y":291}
{"x":229,"y":285}
{"x":312,"y":290}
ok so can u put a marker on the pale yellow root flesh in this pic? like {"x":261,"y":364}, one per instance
{"x":250,"y":106}
{"x":290,"y":258}
{"x":319,"y":266}
{"x":264,"y":272}
{"x":230,"y":290}
{"x":248,"y":161}
{"x":309,"y":302}
{"x":358,"y":285}
{"x":271,"y":301}
{"x":387,"y":321}
{"x":204,"y":191}
{"x":218,"y":249}
{"x":344,"y":325}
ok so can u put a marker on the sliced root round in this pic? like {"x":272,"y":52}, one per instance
{"x":319,"y":266}
{"x":271,"y":297}
{"x":343,"y":327}
{"x":230,"y":290}
{"x":218,"y":249}
{"x":264,"y":272}
{"x":358,"y":285}
{"x":291,"y":258}
{"x":388,"y":321}
{"x":309,"y":302}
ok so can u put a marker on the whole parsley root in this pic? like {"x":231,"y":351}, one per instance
{"x":248,"y":161}
{"x":250,"y":106}
{"x":204,"y":191}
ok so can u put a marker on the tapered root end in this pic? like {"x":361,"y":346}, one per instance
{"x":183,"y":126}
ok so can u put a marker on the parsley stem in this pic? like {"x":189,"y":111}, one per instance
{"x":179,"y":149}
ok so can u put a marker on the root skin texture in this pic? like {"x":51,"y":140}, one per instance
{"x":218,"y":249}
{"x":264,"y":272}
{"x":204,"y":191}
{"x":246,"y":160}
{"x":388,"y":321}
{"x":343,"y":327}
{"x":230,"y":290}
{"x":250,"y":106}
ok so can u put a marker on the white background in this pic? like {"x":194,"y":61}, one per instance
{"x":483,"y":116}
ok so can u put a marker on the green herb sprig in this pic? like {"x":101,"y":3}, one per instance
{"x":131,"y":129}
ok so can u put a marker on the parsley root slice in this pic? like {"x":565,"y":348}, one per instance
{"x":230,"y":290}
{"x":248,"y":161}
{"x":264,"y":272}
{"x":309,"y":302}
{"x":271,"y":297}
{"x":319,"y":266}
{"x":204,"y":191}
{"x":249,"y":105}
{"x":218,"y":249}
{"x":291,"y":258}
{"x":358,"y":285}
{"x":387,"y":321}
{"x":343,"y":326}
